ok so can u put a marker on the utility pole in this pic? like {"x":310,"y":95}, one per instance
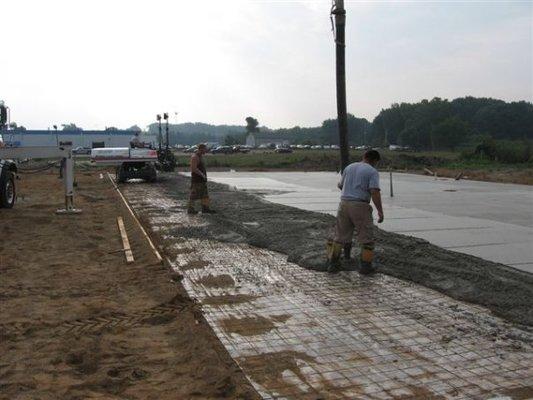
{"x":339,"y":13}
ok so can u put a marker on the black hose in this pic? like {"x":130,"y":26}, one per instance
{"x":30,"y":171}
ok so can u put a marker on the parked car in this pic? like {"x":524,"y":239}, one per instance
{"x":81,"y":150}
{"x":283,"y":149}
{"x":394,"y":147}
{"x":191,"y":149}
{"x":241,"y":149}
{"x":223,"y":150}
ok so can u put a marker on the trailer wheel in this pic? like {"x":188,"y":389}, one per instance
{"x":8,"y":192}
{"x":122,"y":175}
{"x":152,"y":173}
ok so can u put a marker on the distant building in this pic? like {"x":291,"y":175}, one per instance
{"x":258,"y":139}
{"x":88,"y":139}
{"x":250,"y":140}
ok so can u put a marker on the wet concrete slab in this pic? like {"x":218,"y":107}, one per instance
{"x":489,"y":220}
{"x":301,"y":334}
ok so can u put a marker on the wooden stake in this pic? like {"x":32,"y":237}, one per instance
{"x":125,"y":241}
{"x":156,"y":253}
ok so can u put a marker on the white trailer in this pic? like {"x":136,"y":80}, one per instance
{"x":9,"y":170}
{"x":131,"y":163}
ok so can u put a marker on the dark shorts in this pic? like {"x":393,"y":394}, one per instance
{"x":198,"y":190}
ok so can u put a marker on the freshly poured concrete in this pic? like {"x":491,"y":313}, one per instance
{"x":309,"y":335}
{"x":489,"y":220}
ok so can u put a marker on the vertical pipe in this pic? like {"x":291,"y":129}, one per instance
{"x":68,"y":175}
{"x":160,"y":138}
{"x":391,"y":190}
{"x":342,"y":121}
{"x":166,"y":131}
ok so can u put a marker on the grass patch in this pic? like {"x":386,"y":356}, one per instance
{"x":320,"y":160}
{"x":445,"y":163}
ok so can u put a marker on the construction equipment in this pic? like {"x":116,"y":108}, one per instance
{"x":8,"y":173}
{"x":9,"y":170}
{"x":131,"y":163}
{"x":166,"y":161}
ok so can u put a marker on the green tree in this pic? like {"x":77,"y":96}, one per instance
{"x":134,"y":128}
{"x":449,"y":133}
{"x":251,"y":125}
{"x":16,"y":127}
{"x":356,"y":130}
{"x":233,"y":140}
{"x":71,"y":127}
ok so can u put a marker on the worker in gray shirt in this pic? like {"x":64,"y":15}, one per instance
{"x":359,"y":185}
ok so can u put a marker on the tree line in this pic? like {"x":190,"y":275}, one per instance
{"x":439,"y":124}
{"x":436,"y":124}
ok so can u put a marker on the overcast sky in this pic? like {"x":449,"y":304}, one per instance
{"x":117,"y":63}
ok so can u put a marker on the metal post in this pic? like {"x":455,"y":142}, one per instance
{"x":391,"y":190}
{"x":165,"y":116}
{"x":340,"y":23}
{"x":68,"y":175}
{"x":68,"y":180}
{"x":160,"y":135}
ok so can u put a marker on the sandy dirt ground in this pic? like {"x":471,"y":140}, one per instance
{"x":77,"y":322}
{"x":301,"y":235}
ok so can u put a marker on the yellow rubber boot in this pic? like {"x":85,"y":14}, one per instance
{"x":367,"y":257}
{"x":190,"y":208}
{"x":333,"y":250}
{"x":205,"y":206}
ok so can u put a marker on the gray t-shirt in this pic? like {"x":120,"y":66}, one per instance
{"x":357,"y":180}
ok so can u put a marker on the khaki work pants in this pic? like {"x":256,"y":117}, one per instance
{"x":354,"y":215}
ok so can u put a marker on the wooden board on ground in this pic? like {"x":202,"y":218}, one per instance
{"x":125,"y":241}
{"x":156,"y":253}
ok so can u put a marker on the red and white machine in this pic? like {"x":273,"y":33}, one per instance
{"x":118,"y":155}
{"x":131,"y":163}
